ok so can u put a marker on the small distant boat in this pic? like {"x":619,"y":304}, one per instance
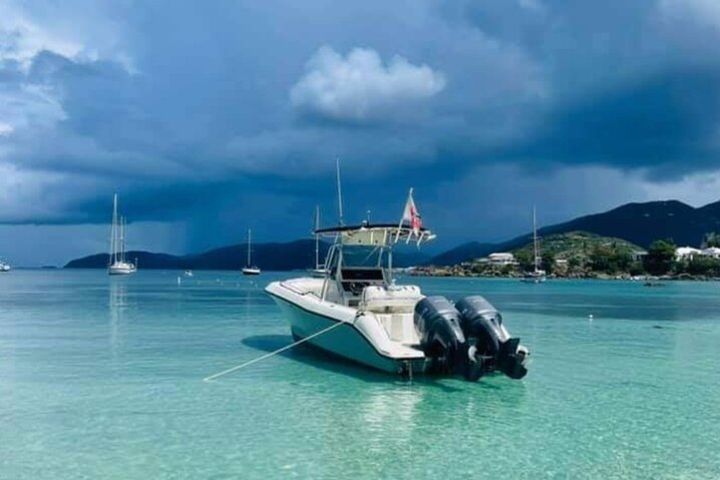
{"x":250,"y":269}
{"x":188,"y":273}
{"x":4,"y":267}
{"x":117,"y":264}
{"x":537,"y":275}
{"x":319,"y":270}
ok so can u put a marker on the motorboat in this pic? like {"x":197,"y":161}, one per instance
{"x":357,"y":311}
{"x":537,"y":275}
{"x":188,"y":273}
{"x":117,"y":264}
{"x":4,"y":267}
{"x":250,"y":269}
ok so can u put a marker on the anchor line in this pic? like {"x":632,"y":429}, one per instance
{"x":273,"y":353}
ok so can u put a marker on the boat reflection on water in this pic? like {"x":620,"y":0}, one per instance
{"x":117,"y":305}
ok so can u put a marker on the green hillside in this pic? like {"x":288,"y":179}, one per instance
{"x":581,"y":246}
{"x":579,"y":253}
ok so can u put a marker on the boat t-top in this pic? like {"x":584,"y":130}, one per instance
{"x":250,"y":269}
{"x":358,"y":311}
{"x":117,"y":265}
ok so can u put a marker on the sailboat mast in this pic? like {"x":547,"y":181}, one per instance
{"x":249,"y":242}
{"x":122,"y":239}
{"x":317,"y":237}
{"x":113,"y":232}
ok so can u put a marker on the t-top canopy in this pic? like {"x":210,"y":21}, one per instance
{"x":381,"y":234}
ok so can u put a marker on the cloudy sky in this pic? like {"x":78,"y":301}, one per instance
{"x":211,"y":117}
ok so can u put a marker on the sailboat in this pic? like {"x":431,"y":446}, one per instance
{"x":319,"y":270}
{"x":537,"y":275}
{"x":250,"y":269}
{"x":117,"y":264}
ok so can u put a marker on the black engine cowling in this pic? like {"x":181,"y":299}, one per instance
{"x":442,"y":338}
{"x":489,"y":345}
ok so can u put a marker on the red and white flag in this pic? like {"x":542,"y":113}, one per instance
{"x":411,"y":215}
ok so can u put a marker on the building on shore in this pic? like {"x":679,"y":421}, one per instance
{"x":687,"y":253}
{"x":501,"y":259}
{"x":713,"y":252}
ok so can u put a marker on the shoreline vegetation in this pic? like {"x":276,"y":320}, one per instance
{"x":582,"y":255}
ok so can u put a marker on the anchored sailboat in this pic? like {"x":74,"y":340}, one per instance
{"x":537,"y":275}
{"x":117,"y":264}
{"x":250,"y":269}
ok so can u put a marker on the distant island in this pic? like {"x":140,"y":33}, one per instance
{"x":580,"y":254}
{"x":578,"y":245}
{"x":296,"y":255}
{"x":637,"y":223}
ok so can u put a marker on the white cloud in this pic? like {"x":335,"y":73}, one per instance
{"x":359,"y":86}
{"x":21,"y":38}
{"x":704,"y":12}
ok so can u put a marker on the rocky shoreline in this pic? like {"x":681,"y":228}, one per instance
{"x":464,"y":272}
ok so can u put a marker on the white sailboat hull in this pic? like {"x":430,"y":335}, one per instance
{"x":250,"y":271}
{"x":360,"y":339}
{"x":122,"y":268}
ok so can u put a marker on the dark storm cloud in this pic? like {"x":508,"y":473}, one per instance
{"x":668,"y":123}
{"x":233,"y":113}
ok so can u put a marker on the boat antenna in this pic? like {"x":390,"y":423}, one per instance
{"x":339,"y":192}
{"x":317,"y":237}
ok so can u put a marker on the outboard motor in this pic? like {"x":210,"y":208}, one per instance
{"x":490,"y":346}
{"x":442,"y":339}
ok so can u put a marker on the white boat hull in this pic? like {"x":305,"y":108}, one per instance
{"x":360,"y":339}
{"x":251,"y":271}
{"x":122,"y":269}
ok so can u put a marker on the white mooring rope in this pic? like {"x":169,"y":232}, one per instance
{"x":273,"y":353}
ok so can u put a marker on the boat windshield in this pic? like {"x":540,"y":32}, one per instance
{"x":362,"y":257}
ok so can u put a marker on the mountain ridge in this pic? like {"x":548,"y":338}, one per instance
{"x":639,"y":223}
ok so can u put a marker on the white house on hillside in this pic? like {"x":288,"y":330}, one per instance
{"x":501,"y":258}
{"x":713,"y":252}
{"x":687,"y":253}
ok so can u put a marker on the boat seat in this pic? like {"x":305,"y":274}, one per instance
{"x":395,"y":299}
{"x":400,"y":327}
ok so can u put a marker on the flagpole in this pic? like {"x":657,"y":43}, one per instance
{"x":397,"y":235}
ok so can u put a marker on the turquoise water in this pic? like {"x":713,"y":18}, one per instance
{"x":102,"y":378}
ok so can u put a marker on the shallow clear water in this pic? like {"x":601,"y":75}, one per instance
{"x":102,"y":378}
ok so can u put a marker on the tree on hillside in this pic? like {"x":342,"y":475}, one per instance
{"x":660,"y":256}
{"x":547,"y":261}
{"x":712,"y":239}
{"x":701,"y":265}
{"x":610,"y":259}
{"x":524,"y":259}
